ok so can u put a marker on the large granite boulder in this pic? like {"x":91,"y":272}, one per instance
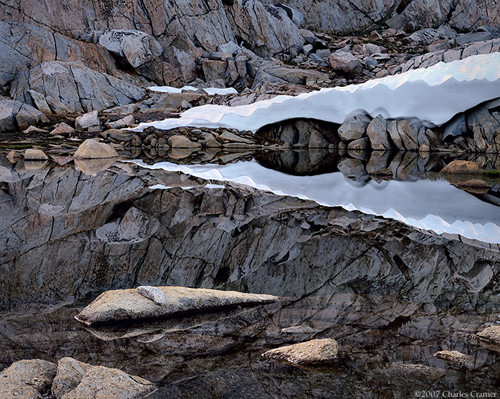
{"x":131,"y":304}
{"x":75,"y":86}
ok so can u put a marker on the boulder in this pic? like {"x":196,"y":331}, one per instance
{"x":88,"y":121}
{"x":16,"y":116}
{"x":346,"y":63}
{"x":122,"y":136}
{"x":63,"y":129}
{"x":93,"y":149}
{"x":119,"y":305}
{"x":182,"y":142}
{"x":490,"y":334}
{"x":377,"y":133}
{"x":135,"y":46}
{"x":91,"y":167}
{"x":484,"y":123}
{"x":353,"y":128}
{"x":458,"y":166}
{"x":102,"y":383}
{"x":121,"y":123}
{"x":27,"y":379}
{"x":213,"y":69}
{"x":70,"y":373}
{"x":266,"y":28}
{"x":310,"y":353}
{"x":32,"y":154}
{"x":359,"y":144}
{"x":76,"y":87}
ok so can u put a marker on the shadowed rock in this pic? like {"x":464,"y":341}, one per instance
{"x":122,"y":305}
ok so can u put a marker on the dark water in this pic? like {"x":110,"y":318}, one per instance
{"x":390,"y":295}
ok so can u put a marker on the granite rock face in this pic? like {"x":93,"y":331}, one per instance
{"x":15,"y":116}
{"x":76,"y":87}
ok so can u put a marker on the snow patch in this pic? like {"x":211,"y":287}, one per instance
{"x":433,"y":95}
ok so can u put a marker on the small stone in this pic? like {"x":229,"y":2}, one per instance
{"x":153,"y":293}
{"x":345,"y":62}
{"x":85,"y":121}
{"x":34,"y":129}
{"x":307,"y":49}
{"x":92,"y":149}
{"x":310,"y":353}
{"x":32,"y":154}
{"x":13,"y":156}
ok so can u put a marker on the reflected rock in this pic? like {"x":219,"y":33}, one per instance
{"x":92,"y":167}
{"x":35,"y":165}
{"x":301,"y":132}
{"x":300,"y":162}
{"x":93,"y":149}
{"x":353,"y":169}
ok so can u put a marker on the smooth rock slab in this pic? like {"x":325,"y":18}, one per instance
{"x":314,"y":352}
{"x":92,"y":149}
{"x":121,"y":305}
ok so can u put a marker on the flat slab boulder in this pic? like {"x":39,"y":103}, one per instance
{"x":309,"y":353}
{"x":93,"y":149}
{"x":131,"y":304}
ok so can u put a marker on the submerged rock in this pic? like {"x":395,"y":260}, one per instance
{"x":32,"y":154}
{"x":92,"y":149}
{"x":458,"y":166}
{"x":121,"y":305}
{"x":314,"y":352}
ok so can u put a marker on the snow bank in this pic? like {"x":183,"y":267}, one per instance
{"x":211,"y":91}
{"x":424,"y":203}
{"x":434,"y":95}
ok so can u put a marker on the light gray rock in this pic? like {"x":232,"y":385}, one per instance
{"x":359,"y":144}
{"x":16,"y":116}
{"x":131,"y":305}
{"x":267,"y":28}
{"x":121,"y":123}
{"x":27,"y":379}
{"x":344,"y":62}
{"x":377,"y":133}
{"x":153,"y":293}
{"x":102,"y":383}
{"x":77,"y":87}
{"x":353,"y":128}
{"x":135,"y":46}
{"x":296,"y":16}
{"x":92,"y":149}
{"x":310,"y":353}
{"x":40,"y":102}
{"x":63,"y":129}
{"x":87,"y":121}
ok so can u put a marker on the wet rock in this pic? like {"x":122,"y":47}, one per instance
{"x":27,"y":379}
{"x":458,"y":166}
{"x":128,"y":304}
{"x":76,"y":87}
{"x":377,"y":133}
{"x":32,"y":154}
{"x":345,"y":62}
{"x":88,"y":121}
{"x":103,"y":382}
{"x":353,"y":128}
{"x":121,"y":123}
{"x":93,"y":149}
{"x":310,"y":353}
{"x":455,"y":358}
{"x":182,"y":142}
{"x":70,"y":373}
{"x":91,"y":167}
{"x":135,"y":46}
